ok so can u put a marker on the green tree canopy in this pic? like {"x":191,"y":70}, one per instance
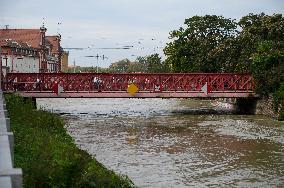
{"x":120,"y":66}
{"x":193,"y":48}
{"x":151,"y":64}
{"x":154,"y":63}
{"x":213,"y":44}
{"x":256,"y":30}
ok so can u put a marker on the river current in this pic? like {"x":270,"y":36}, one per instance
{"x":176,"y":142}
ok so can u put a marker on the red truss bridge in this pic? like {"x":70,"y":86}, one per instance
{"x":130,"y":85}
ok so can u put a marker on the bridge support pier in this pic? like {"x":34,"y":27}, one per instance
{"x":246,"y":106}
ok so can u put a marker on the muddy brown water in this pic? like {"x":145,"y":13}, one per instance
{"x":176,"y":142}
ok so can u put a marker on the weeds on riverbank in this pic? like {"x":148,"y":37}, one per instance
{"x":48,"y":155}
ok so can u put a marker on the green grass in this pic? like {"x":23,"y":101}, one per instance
{"x":48,"y":155}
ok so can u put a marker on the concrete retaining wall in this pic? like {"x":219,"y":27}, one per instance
{"x":265,"y":107}
{"x":9,"y":176}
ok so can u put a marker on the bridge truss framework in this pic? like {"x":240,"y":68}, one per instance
{"x":115,"y":85}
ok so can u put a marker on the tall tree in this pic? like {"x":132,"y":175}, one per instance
{"x":154,"y":63}
{"x":120,"y":66}
{"x":193,"y":48}
{"x":258,"y":29}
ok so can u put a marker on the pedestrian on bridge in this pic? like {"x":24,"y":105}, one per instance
{"x":96,"y":83}
{"x":38,"y":83}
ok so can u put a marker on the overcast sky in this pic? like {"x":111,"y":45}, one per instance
{"x":143,"y":24}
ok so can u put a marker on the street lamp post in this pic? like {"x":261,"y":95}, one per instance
{"x":97,"y":56}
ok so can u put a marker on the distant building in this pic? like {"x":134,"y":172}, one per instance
{"x":30,"y":50}
{"x":64,"y":61}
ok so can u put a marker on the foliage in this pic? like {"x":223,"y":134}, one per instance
{"x":267,"y":68}
{"x":139,"y":65}
{"x":120,"y":66}
{"x":258,"y":31}
{"x":149,"y":64}
{"x":212,"y":43}
{"x":155,"y":64}
{"x":193,"y":48}
{"x":47,"y":154}
{"x":79,"y":69}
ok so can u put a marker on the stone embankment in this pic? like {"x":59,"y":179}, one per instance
{"x":265,"y":107}
{"x":9,"y":176}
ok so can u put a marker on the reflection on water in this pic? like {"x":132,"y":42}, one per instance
{"x":170,"y":143}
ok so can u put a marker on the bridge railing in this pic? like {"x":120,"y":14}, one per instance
{"x":118,"y":82}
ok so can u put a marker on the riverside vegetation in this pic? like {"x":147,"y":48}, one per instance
{"x":48,"y":155}
{"x":254,"y":44}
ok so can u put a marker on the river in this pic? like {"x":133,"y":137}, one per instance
{"x":176,"y":142}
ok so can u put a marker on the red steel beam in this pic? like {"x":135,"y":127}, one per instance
{"x":164,"y":85}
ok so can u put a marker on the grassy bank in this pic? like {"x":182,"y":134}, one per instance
{"x":48,"y":155}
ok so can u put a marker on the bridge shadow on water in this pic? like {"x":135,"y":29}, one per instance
{"x":205,"y":111}
{"x":200,"y":111}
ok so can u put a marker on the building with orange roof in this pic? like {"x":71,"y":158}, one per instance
{"x":54,"y":52}
{"x":30,"y":50}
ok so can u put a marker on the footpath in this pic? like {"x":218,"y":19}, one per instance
{"x":10,"y":177}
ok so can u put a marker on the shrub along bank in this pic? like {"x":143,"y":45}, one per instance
{"x":48,"y":155}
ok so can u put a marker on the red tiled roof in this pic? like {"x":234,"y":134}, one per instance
{"x":29,"y":36}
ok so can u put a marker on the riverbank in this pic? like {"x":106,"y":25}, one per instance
{"x":48,"y":155}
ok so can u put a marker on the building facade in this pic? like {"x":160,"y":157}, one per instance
{"x":30,"y":50}
{"x":19,"y":57}
{"x":64,"y":61}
